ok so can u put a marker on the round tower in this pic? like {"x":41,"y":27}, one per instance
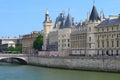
{"x":94,"y":20}
{"x":47,"y":28}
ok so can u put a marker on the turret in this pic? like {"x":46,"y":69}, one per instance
{"x":94,"y":15}
{"x":94,"y":20}
{"x":102,"y":17}
{"x":68,"y":22}
{"x":47,"y":28}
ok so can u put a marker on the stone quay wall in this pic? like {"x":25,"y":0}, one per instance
{"x":110,"y":64}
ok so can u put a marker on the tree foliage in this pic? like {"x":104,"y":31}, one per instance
{"x":17,"y":48}
{"x":37,"y":44}
{"x":10,"y":48}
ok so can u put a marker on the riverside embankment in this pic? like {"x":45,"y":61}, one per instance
{"x":110,"y":64}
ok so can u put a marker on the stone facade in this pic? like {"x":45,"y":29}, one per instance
{"x":96,"y":35}
{"x":27,"y":42}
{"x":57,"y":38}
{"x":108,"y":36}
{"x":5,"y":42}
{"x":78,"y":63}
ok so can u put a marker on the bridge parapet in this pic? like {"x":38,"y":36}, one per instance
{"x":12,"y":55}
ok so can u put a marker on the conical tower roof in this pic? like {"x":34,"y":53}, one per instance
{"x":47,"y":17}
{"x":68,"y":22}
{"x":94,"y":14}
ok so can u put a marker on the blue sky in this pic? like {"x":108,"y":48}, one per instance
{"x":18,"y":17}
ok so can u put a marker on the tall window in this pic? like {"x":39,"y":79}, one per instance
{"x":102,"y":29}
{"x":112,"y":43}
{"x":98,"y":44}
{"x":107,"y":28}
{"x":117,"y":35}
{"x":89,"y":45}
{"x":89,"y":38}
{"x":98,"y":29}
{"x":117,"y":43}
{"x":107,"y":43}
{"x":103,"y":44}
{"x":68,"y":45}
{"x":89,"y":29}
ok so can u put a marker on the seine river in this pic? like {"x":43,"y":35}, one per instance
{"x":25,"y":72}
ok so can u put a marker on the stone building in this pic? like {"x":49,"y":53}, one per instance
{"x":108,"y":36}
{"x":6,"y":42}
{"x":27,"y":42}
{"x":57,"y":38}
{"x":96,"y":35}
{"x":83,"y":34}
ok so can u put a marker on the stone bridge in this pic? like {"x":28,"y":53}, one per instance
{"x":14,"y":58}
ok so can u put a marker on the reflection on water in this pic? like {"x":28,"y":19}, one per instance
{"x":25,"y":72}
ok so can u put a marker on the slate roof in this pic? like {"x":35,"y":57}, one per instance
{"x":68,"y":22}
{"x":110,"y":22}
{"x":60,"y":18}
{"x":65,"y":22}
{"x":47,"y":18}
{"x":94,"y":14}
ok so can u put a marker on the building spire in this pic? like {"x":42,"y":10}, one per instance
{"x":94,"y":15}
{"x":68,"y":10}
{"x":47,"y":11}
{"x":47,"y":17}
{"x":93,"y":2}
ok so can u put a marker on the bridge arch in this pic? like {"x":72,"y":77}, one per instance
{"x":16,"y":60}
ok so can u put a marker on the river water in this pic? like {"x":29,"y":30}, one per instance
{"x":25,"y":72}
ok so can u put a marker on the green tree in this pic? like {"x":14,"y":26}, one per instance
{"x":37,"y":44}
{"x":11,"y":48}
{"x":18,"y":48}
